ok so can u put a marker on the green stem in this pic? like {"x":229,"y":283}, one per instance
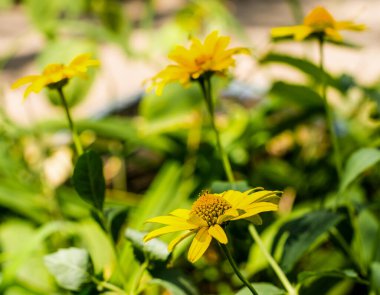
{"x":109,"y":286}
{"x":276,"y":268}
{"x":346,"y":248}
{"x":329,"y":112}
{"x":136,"y":284}
{"x":78,"y":145}
{"x":231,"y":260}
{"x":205,"y":83}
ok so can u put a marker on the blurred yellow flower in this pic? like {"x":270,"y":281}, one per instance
{"x":208,"y":216}
{"x":211,"y":56}
{"x":319,"y":21}
{"x":56,"y":75}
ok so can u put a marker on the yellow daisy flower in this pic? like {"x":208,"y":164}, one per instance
{"x":56,"y":75}
{"x":211,"y":56}
{"x":208,"y":216}
{"x":319,"y":21}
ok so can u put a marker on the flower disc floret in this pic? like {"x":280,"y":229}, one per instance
{"x":209,"y":207}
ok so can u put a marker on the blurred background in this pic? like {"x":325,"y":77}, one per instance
{"x":158,"y":152}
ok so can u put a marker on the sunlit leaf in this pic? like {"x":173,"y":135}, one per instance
{"x":262,"y":288}
{"x":71,"y":267}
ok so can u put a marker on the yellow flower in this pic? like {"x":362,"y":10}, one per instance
{"x":56,"y":75}
{"x":319,"y":21}
{"x":208,"y":216}
{"x":211,"y":56}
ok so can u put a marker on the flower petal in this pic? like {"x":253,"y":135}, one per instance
{"x":284,"y":31}
{"x":172,"y":220}
{"x":217,"y":232}
{"x":257,"y":208}
{"x":302,"y":32}
{"x":178,"y":239}
{"x":24,"y":80}
{"x":333,"y":34}
{"x":183,"y":213}
{"x":195,"y":219}
{"x":348,"y":25}
{"x":161,"y":231}
{"x":199,"y":245}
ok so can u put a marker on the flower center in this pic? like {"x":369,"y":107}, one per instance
{"x":319,"y":19}
{"x":203,"y":61}
{"x":209,"y":207}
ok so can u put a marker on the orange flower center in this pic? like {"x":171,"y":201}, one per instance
{"x":203,"y":61}
{"x":209,"y":207}
{"x":319,"y":19}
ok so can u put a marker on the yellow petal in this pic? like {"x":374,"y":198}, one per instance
{"x":302,"y":32}
{"x":233,"y":197}
{"x":262,"y":196}
{"x":351,"y":26}
{"x":333,"y":34}
{"x":283,"y":31}
{"x":199,"y":245}
{"x":228,"y":215}
{"x":218,"y":233}
{"x":183,"y":213}
{"x":24,"y":80}
{"x":195,"y":219}
{"x":161,"y":231}
{"x":256,"y":209}
{"x":178,"y":239}
{"x":172,"y":220}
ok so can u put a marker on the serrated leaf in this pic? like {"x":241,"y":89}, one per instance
{"x":262,"y":288}
{"x":357,"y":163}
{"x":89,"y":180}
{"x":302,"y":233}
{"x":70,"y":267}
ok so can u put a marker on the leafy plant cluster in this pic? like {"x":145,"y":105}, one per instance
{"x":82,"y":233}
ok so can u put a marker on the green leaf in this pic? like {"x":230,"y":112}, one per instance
{"x":71,"y":267}
{"x":89,"y":180}
{"x":116,"y":217}
{"x":222,"y":186}
{"x":296,"y":94}
{"x":302,"y":233}
{"x":358,"y":162}
{"x":154,"y":250}
{"x":262,"y":288}
{"x":345,"y":274}
{"x":375,"y":277}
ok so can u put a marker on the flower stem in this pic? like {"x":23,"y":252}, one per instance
{"x":231,"y":260}
{"x":276,"y":268}
{"x":109,"y":286}
{"x":136,"y":284}
{"x":329,"y":112}
{"x":205,"y":83}
{"x":78,"y":145}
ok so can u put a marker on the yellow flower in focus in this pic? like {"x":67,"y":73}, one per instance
{"x":209,"y":215}
{"x":319,"y":21}
{"x":211,"y":56}
{"x":57,"y":75}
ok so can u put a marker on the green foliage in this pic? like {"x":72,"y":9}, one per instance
{"x":71,"y":267}
{"x":302,"y":233}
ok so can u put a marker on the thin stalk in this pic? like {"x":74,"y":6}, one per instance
{"x":206,"y":90}
{"x":78,"y":145}
{"x":136,"y":289}
{"x":109,"y":286}
{"x":231,"y":260}
{"x":276,"y":268}
{"x":329,"y":112}
{"x":346,"y":248}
